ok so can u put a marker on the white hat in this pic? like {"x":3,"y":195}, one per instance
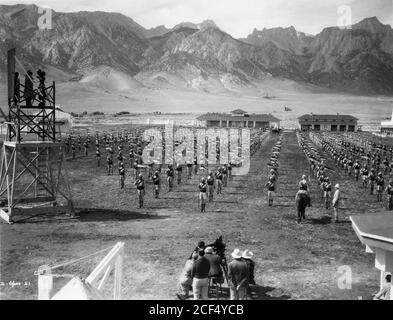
{"x":208,"y":250}
{"x":247,"y":254}
{"x":236,"y":254}
{"x":337,"y":186}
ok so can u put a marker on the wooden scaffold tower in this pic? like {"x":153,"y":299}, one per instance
{"x":33,"y":178}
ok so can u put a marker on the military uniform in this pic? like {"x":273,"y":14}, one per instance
{"x":389,"y":191}
{"x":380,"y":182}
{"x":327,"y":190}
{"x":140,"y":187}
{"x":210,"y":187}
{"x":219,"y":181}
{"x":202,"y":194}
{"x":98,"y":157}
{"x":156,"y":183}
{"x":170,"y":174}
{"x":365,"y":175}
{"x":122,"y":174}
{"x":109,"y":164}
{"x":356,"y":167}
{"x":179,"y":170}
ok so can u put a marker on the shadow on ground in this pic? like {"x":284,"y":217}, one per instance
{"x":92,"y":215}
{"x":256,"y":292}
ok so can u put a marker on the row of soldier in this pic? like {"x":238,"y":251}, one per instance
{"x":213,"y":182}
{"x":371,"y":165}
{"x":319,"y":171}
{"x":273,"y":165}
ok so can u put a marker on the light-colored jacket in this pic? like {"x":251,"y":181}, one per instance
{"x":185,"y":277}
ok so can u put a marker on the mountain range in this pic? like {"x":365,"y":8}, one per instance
{"x":94,"y":46}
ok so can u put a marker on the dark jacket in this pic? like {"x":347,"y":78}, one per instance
{"x":201,"y":268}
{"x":251,"y":267}
{"x":215,"y":265}
{"x":238,"y":273}
{"x":29,"y":88}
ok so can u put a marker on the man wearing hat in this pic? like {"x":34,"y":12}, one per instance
{"x":238,"y":276}
{"x":215,"y":264}
{"x":247,"y":257}
{"x":336,"y":202}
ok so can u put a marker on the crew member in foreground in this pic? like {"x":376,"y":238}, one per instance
{"x":185,"y":280}
{"x":200,"y":275}
{"x":238,"y":276}
{"x":385,"y":292}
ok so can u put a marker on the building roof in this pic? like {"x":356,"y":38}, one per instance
{"x":374,"y":230}
{"x":327,"y":117}
{"x":238,"y":111}
{"x":227,"y":117}
{"x":387,"y":124}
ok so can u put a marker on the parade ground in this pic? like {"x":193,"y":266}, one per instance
{"x":292,"y":261}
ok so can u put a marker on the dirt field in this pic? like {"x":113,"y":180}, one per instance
{"x":292,"y":261}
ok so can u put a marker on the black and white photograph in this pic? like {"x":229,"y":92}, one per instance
{"x":196,"y":151}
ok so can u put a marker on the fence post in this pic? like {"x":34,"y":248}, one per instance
{"x":45,"y":282}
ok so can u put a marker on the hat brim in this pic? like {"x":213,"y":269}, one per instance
{"x":236,"y":256}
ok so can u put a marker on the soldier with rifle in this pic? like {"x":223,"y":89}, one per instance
{"x":140,"y":187}
{"x":98,"y":156}
{"x":156,"y":183}
{"x":210,"y":186}
{"x":170,"y":174}
{"x":122,"y":174}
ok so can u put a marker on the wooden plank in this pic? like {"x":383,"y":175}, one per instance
{"x":105,"y":277}
{"x":100,"y":269}
{"x":45,"y":282}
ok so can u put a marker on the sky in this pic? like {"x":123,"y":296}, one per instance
{"x":237,"y":17}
